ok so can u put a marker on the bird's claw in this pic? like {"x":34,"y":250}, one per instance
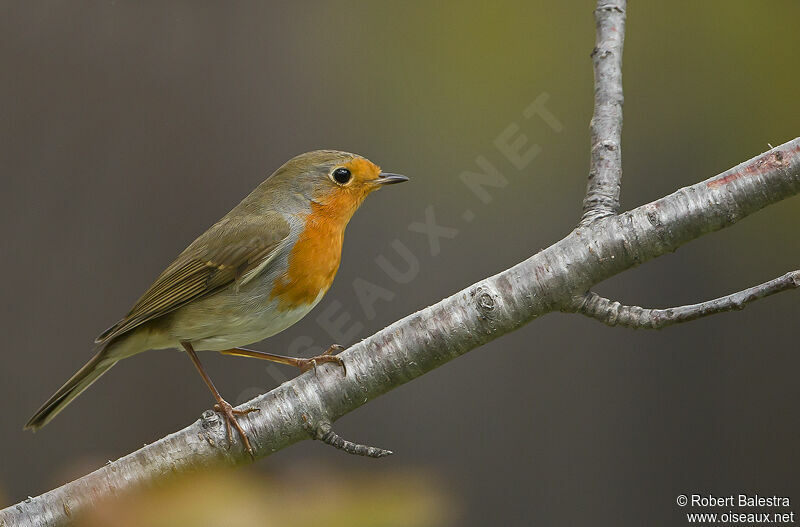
{"x":327,"y":356}
{"x":230,"y":413}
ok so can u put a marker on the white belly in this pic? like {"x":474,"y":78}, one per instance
{"x":234,"y":319}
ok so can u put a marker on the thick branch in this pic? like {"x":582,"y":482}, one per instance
{"x":605,"y":170}
{"x":615,"y":314}
{"x":420,"y":342}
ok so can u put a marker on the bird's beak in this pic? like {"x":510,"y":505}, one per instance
{"x":384,"y":178}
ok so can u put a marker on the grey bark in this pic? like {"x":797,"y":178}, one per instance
{"x":605,"y":168}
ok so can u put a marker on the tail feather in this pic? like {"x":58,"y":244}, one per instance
{"x":82,"y":379}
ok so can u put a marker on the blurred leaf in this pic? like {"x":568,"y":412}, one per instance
{"x":313,"y":497}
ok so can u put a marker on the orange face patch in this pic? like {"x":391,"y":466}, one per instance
{"x":362,"y":170}
{"x":339,"y":203}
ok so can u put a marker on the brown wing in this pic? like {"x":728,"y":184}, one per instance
{"x":225,"y":253}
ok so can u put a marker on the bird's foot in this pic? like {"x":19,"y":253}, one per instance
{"x":230,"y":414}
{"x":303,"y":364}
{"x":328,"y":356}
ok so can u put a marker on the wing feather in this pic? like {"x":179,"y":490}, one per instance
{"x":210,"y":263}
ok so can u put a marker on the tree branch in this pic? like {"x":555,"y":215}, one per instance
{"x":615,"y":314}
{"x":425,"y":340}
{"x":605,"y":170}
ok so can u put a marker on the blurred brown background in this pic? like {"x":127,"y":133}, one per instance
{"x":128,"y":128}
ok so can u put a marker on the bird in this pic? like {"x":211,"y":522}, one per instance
{"x":254,"y":273}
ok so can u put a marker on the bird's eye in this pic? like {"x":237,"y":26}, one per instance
{"x":342,"y":176}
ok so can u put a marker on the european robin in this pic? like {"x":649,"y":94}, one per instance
{"x":254,"y":273}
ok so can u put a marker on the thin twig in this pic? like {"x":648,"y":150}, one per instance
{"x":605,"y":170}
{"x":615,"y":314}
{"x":324,"y":432}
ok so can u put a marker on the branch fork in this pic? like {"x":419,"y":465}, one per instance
{"x":603,"y":189}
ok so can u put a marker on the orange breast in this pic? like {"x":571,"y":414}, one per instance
{"x":314,"y":259}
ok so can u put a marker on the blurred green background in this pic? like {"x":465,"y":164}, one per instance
{"x":128,"y":128}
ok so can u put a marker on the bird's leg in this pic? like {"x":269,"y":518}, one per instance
{"x":222,"y":405}
{"x":303,"y":364}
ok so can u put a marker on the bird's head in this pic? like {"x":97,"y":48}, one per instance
{"x":333,"y":183}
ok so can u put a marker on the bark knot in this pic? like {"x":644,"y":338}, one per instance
{"x":484,"y":300}
{"x":209,"y":419}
